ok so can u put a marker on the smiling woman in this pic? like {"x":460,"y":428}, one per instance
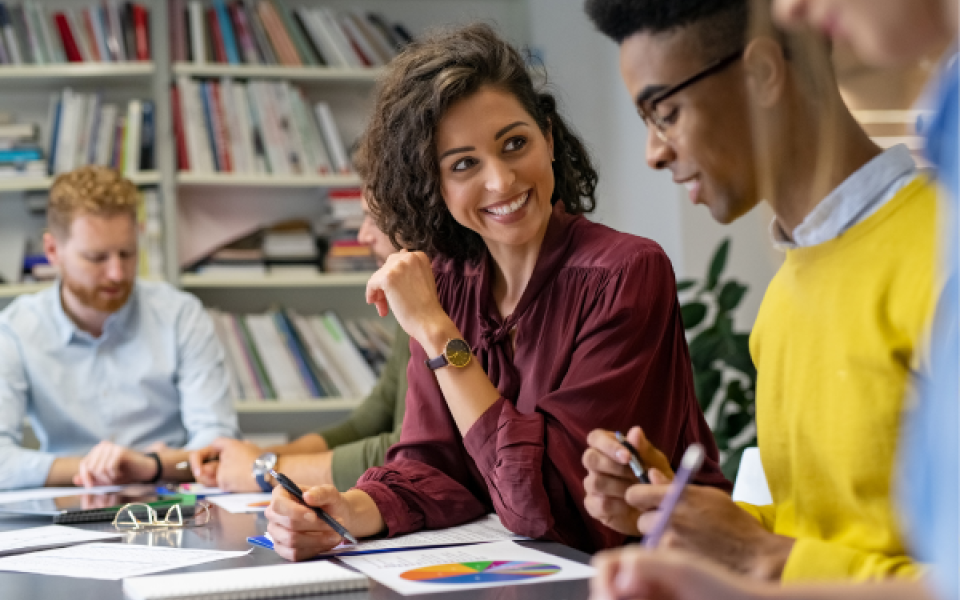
{"x":530,"y":326}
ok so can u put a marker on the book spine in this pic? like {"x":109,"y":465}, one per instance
{"x":335,"y":382}
{"x":267,"y":54}
{"x":220,"y":134}
{"x":67,"y":134}
{"x":141,"y":20}
{"x":312,"y":135}
{"x":183,"y":158}
{"x":201,"y":152}
{"x":178,"y":38}
{"x":272,"y":137}
{"x":278,"y":36}
{"x":301,"y":48}
{"x":277,"y":361}
{"x":116,"y":31}
{"x":359,"y":42}
{"x":119,"y":132}
{"x":248,"y":50}
{"x":80,"y":34}
{"x":35,"y":34}
{"x":4,"y":54}
{"x":19,"y":21}
{"x":216,"y":35}
{"x":210,"y":128}
{"x":97,"y":46}
{"x":295,"y":129}
{"x":318,"y":27}
{"x":88,"y":132}
{"x":54,"y":132}
{"x":266,"y":386}
{"x":307,"y":37}
{"x":339,"y":37}
{"x":20,"y":155}
{"x":300,"y":356}
{"x":231,"y":362}
{"x":197,"y":33}
{"x":66,"y":35}
{"x":129,"y":30}
{"x":131,"y":139}
{"x":226,"y":32}
{"x":330,"y":133}
{"x":231,"y":121}
{"x":10,"y":36}
{"x":260,"y":161}
{"x":106,"y":135}
{"x":148,"y":136}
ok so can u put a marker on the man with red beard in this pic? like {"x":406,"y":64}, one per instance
{"x":113,"y":373}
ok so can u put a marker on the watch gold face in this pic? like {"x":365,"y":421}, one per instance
{"x":458,"y":353}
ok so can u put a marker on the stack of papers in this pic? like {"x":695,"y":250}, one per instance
{"x":51,"y":536}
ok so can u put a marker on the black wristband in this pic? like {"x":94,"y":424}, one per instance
{"x":159,"y":474}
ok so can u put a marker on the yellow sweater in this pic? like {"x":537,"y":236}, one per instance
{"x":835,"y":342}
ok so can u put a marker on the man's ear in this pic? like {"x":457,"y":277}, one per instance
{"x":766,"y":69}
{"x":51,"y":247}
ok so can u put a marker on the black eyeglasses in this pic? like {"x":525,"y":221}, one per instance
{"x":660,"y":123}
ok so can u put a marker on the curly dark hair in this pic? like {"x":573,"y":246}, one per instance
{"x":397,"y":155}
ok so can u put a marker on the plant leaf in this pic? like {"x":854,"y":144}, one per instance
{"x":705,"y":348}
{"x":717,"y":264}
{"x":730,"y":295}
{"x":693,"y":314}
{"x":706,"y":383}
{"x":685,"y":284}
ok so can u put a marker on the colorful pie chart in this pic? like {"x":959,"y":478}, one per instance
{"x":489,"y":571}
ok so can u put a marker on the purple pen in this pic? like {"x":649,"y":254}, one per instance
{"x":689,"y":466}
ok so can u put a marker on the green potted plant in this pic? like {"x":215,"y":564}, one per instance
{"x":723,"y":372}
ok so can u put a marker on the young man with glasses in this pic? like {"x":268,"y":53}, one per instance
{"x":739,"y":116}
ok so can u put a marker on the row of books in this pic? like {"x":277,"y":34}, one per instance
{"x":282,"y":355}
{"x":33,"y":34}
{"x":267,"y":32}
{"x":85,"y":130}
{"x":21,"y":154}
{"x":286,"y":248}
{"x":229,"y":126}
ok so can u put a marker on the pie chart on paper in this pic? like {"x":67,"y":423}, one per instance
{"x":488,"y":571}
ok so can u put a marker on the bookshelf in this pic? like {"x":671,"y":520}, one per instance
{"x":25,"y":90}
{"x":190,"y":179}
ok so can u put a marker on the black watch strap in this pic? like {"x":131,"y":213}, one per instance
{"x":156,"y":458}
{"x":436,"y":363}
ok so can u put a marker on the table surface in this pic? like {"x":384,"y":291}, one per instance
{"x":228,"y":531}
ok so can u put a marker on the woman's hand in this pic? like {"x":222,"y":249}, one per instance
{"x":609,"y":478}
{"x":405,"y":285}
{"x":299,"y":534}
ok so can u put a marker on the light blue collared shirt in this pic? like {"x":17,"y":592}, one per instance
{"x":156,"y":374}
{"x":859,"y":196}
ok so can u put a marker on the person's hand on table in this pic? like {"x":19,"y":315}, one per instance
{"x":110,"y":464}
{"x":635,"y":572}
{"x":608,"y":477}
{"x":297,"y":532}
{"x":233,"y":472}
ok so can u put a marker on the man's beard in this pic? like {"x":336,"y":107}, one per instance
{"x":93,"y":298}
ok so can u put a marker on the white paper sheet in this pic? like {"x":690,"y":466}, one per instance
{"x":110,"y":561}
{"x":50,"y":536}
{"x":442,"y":569}
{"x":242,"y":503}
{"x":55,"y":492}
{"x":487,"y":529}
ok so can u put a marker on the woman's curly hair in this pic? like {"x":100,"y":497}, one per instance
{"x":397,"y":155}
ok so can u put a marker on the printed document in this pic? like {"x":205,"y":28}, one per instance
{"x":465,"y":567}
{"x":50,"y":536}
{"x":486,"y":529}
{"x":110,"y":561}
{"x":55,"y":492}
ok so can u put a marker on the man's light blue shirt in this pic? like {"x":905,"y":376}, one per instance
{"x":156,"y":374}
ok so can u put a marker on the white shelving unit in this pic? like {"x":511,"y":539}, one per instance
{"x":27,"y":89}
{"x":190,"y":179}
{"x":298,"y":74}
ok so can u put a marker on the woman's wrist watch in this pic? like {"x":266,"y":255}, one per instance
{"x":456,"y":353}
{"x":261,"y":467}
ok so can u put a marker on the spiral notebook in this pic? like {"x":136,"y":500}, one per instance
{"x":278,"y":581}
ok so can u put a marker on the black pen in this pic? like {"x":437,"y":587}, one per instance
{"x":294,"y":489}
{"x":636,"y":464}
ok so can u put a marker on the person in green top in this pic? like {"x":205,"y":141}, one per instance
{"x":338,"y":455}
